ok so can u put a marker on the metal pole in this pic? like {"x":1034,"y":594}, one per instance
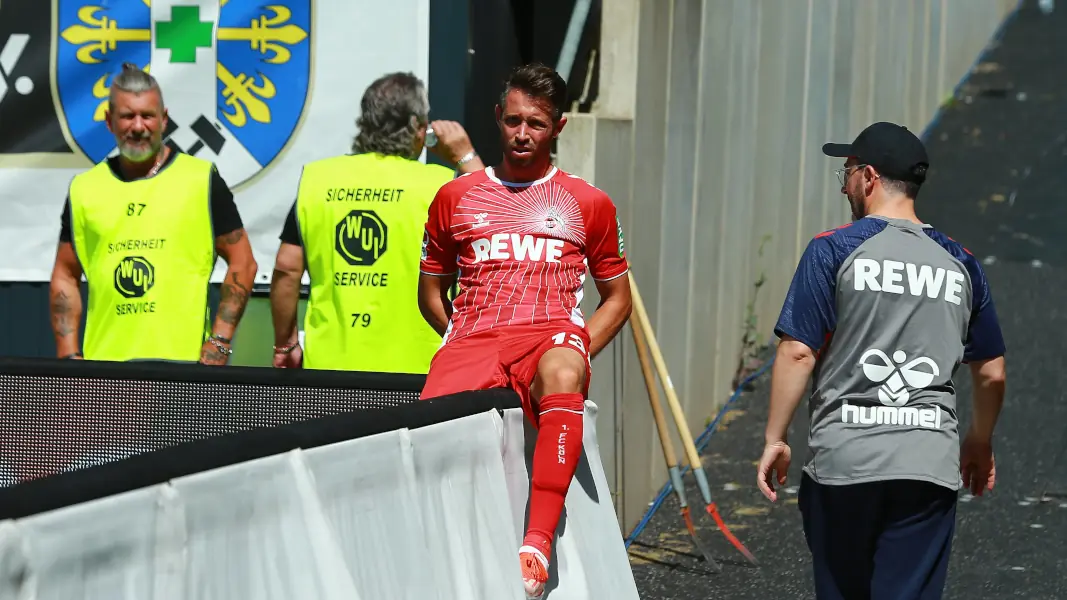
{"x":574,"y":36}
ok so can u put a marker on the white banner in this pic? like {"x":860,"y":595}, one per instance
{"x":259,"y":88}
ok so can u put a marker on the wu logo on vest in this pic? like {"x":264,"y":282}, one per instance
{"x":898,"y":377}
{"x":134,"y":276}
{"x":362,"y":238}
{"x":235,"y":73}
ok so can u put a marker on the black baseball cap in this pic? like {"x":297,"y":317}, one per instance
{"x":890,"y":148}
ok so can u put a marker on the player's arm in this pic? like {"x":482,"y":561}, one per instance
{"x":984,"y":353}
{"x":438,"y":266}
{"x":989,"y":377}
{"x":794,"y":362}
{"x":234,"y":248}
{"x":607,"y":263}
{"x":808,"y":315}
{"x":611,"y":314}
{"x":454,"y":145}
{"x":285,"y":283}
{"x":433,"y":300}
{"x":64,"y":293}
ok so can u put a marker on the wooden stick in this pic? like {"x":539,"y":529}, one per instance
{"x":653,"y":395}
{"x":671,"y":459}
{"x":679,"y":420}
{"x":657,"y":358}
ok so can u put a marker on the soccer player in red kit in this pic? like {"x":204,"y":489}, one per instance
{"x":520,"y":237}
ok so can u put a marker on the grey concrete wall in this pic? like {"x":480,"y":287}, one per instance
{"x":707,"y":135}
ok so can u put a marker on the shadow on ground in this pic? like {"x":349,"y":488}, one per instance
{"x":999,"y":156}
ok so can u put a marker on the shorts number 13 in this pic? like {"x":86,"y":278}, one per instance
{"x":571,"y":339}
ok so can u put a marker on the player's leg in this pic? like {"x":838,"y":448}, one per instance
{"x":911,"y":560}
{"x":471,"y":363}
{"x":557,"y":391}
{"x":841,"y":527}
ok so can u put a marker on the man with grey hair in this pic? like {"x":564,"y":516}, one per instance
{"x":356,"y":227}
{"x":146,"y":228}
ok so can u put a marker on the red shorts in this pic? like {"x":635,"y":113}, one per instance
{"x":502,"y":357}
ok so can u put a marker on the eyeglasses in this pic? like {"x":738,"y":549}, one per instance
{"x":845,"y":172}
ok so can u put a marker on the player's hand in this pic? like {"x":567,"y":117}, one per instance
{"x":294,"y":359}
{"x":977,"y":465}
{"x":211,"y":355}
{"x":453,"y":143}
{"x":773,"y":465}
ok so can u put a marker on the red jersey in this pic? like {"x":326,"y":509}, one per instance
{"x":521,"y":249}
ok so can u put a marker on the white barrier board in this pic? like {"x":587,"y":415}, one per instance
{"x":434,"y":512}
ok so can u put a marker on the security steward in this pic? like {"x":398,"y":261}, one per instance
{"x":145,"y":227}
{"x":357,"y":228}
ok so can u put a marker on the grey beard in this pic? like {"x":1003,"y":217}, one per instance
{"x":137,"y":155}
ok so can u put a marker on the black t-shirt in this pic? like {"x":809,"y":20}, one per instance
{"x":224,"y":215}
{"x":290,"y":232}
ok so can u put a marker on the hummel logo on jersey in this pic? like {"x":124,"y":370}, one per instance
{"x":508,"y":246}
{"x":10,"y":52}
{"x":894,"y":277}
{"x":893,"y":374}
{"x":898,"y":377}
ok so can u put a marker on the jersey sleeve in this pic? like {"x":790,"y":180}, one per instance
{"x":440,"y":251}
{"x":984,"y":337}
{"x":605,"y":248}
{"x":809,"y":313}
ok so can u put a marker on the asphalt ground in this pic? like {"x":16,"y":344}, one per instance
{"x":999,"y":156}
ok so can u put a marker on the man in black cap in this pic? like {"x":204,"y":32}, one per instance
{"x":888,"y":154}
{"x":883,"y":311}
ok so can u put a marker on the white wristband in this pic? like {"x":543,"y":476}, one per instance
{"x":466,"y":158}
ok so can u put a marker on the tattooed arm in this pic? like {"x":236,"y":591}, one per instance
{"x":235,"y":249}
{"x":65,"y":301}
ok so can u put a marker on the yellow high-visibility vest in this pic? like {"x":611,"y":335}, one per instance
{"x":147,"y":249}
{"x":361,"y":221}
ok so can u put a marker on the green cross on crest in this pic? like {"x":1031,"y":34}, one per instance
{"x":184,"y":33}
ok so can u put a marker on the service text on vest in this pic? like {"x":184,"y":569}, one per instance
{"x":135,"y":308}
{"x":355,"y":278}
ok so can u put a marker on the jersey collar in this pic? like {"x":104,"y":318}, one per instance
{"x":489,"y":172}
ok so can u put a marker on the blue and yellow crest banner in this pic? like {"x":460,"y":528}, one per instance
{"x":260,"y":88}
{"x":235,"y":73}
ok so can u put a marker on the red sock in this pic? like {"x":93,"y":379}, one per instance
{"x":556,"y":454}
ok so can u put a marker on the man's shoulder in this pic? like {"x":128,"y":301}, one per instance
{"x":329,"y":162}
{"x":435,"y":170}
{"x":457,"y":187}
{"x":349,"y":161}
{"x":954,"y":248}
{"x":195,"y":162}
{"x":849,"y":236}
{"x":834,"y":246}
{"x":581,"y":189}
{"x":104,"y":166}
